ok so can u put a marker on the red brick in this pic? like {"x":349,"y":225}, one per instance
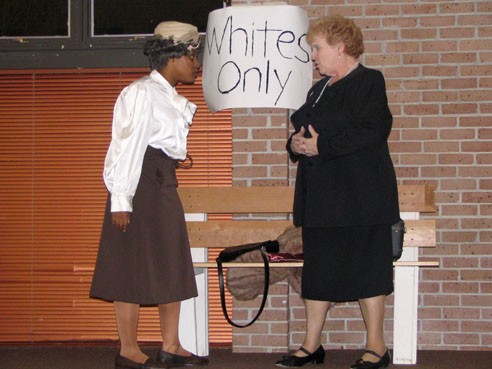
{"x":461,"y":339}
{"x":265,"y":340}
{"x":457,"y":210}
{"x":428,"y":339}
{"x":476,"y":326}
{"x":419,"y":134}
{"x":459,"y":236}
{"x":269,"y":159}
{"x":268,"y":182}
{"x":426,"y":287}
{"x":354,"y":338}
{"x":380,"y":60}
{"x":270,"y":134}
{"x":238,"y":159}
{"x":381,"y":10}
{"x":421,"y":84}
{"x":474,"y":95}
{"x":440,"y":46}
{"x":438,"y":21}
{"x":476,"y":70}
{"x":438,"y":121}
{"x":441,"y":146}
{"x":476,"y":275}
{"x":485,"y":184}
{"x":440,"y":274}
{"x":400,"y":22}
{"x":440,"y":96}
{"x":441,"y":300}
{"x":459,"y":83}
{"x":249,"y":146}
{"x":238,"y":134}
{"x":249,"y":172}
{"x":462,"y":313}
{"x":475,"y":20}
{"x":460,"y":108}
{"x":418,"y":159}
{"x":418,"y":33}
{"x":457,"y":32}
{"x":440,"y":325}
{"x":421,"y":109}
{"x":477,"y":223}
{"x":429,"y":313}
{"x":249,"y":121}
{"x":458,"y":159}
{"x":423,"y":9}
{"x":438,"y":172}
{"x":458,"y":7}
{"x":351,"y":12}
{"x":485,"y":134}
{"x":405,"y":147}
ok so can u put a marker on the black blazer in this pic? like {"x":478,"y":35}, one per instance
{"x":352,"y":180}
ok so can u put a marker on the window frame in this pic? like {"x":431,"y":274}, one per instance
{"x":79,"y":50}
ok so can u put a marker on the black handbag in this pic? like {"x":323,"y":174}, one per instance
{"x":398,"y":231}
{"x":231,"y":253}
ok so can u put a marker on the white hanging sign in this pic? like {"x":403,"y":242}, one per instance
{"x":256,"y":56}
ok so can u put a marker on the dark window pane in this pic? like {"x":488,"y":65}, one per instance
{"x":29,"y":18}
{"x":133,"y":17}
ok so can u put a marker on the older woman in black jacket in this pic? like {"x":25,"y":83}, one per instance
{"x":346,"y":195}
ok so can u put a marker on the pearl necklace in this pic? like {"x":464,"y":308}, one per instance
{"x":329,"y":83}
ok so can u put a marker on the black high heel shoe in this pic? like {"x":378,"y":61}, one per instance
{"x":383,"y":362}
{"x":316,"y":357}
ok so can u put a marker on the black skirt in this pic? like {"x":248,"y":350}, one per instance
{"x":150,"y":263}
{"x":347,"y":263}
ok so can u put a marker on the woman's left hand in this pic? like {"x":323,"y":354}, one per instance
{"x":310,"y":145}
{"x":121,"y":219}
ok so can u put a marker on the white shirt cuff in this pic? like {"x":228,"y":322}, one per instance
{"x":121,"y":203}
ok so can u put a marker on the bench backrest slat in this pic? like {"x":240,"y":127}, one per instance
{"x":420,"y":233}
{"x":279,"y":199}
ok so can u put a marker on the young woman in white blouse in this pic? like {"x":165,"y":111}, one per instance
{"x":144,"y":256}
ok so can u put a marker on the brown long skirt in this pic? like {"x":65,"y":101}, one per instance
{"x":150,"y":263}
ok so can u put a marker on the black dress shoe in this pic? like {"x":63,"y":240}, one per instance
{"x":122,"y":362}
{"x":316,"y":357}
{"x":173,"y":360}
{"x":383,"y":362}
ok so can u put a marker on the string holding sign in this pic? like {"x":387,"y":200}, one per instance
{"x":256,"y":56}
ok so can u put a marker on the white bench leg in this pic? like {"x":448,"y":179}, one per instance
{"x":193,"y":323}
{"x":406,"y":306}
{"x":405,"y":314}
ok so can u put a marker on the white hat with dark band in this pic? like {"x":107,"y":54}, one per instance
{"x":180,"y":32}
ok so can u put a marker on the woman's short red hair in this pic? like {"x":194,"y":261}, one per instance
{"x":335,"y":29}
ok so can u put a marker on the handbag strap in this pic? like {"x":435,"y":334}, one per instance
{"x":265,"y":292}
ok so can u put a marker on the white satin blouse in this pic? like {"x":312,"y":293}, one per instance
{"x":147,"y":112}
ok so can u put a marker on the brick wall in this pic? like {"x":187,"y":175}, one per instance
{"x":437,"y":60}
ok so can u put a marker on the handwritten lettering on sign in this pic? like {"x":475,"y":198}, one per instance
{"x":256,"y":56}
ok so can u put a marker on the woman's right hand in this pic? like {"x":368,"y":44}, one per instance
{"x":121,"y":219}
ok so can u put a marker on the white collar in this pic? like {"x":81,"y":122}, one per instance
{"x":186,"y":108}
{"x":159,"y":78}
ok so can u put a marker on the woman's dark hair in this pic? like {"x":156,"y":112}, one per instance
{"x":160,"y":50}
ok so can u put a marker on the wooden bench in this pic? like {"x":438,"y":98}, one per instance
{"x":263,"y":213}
